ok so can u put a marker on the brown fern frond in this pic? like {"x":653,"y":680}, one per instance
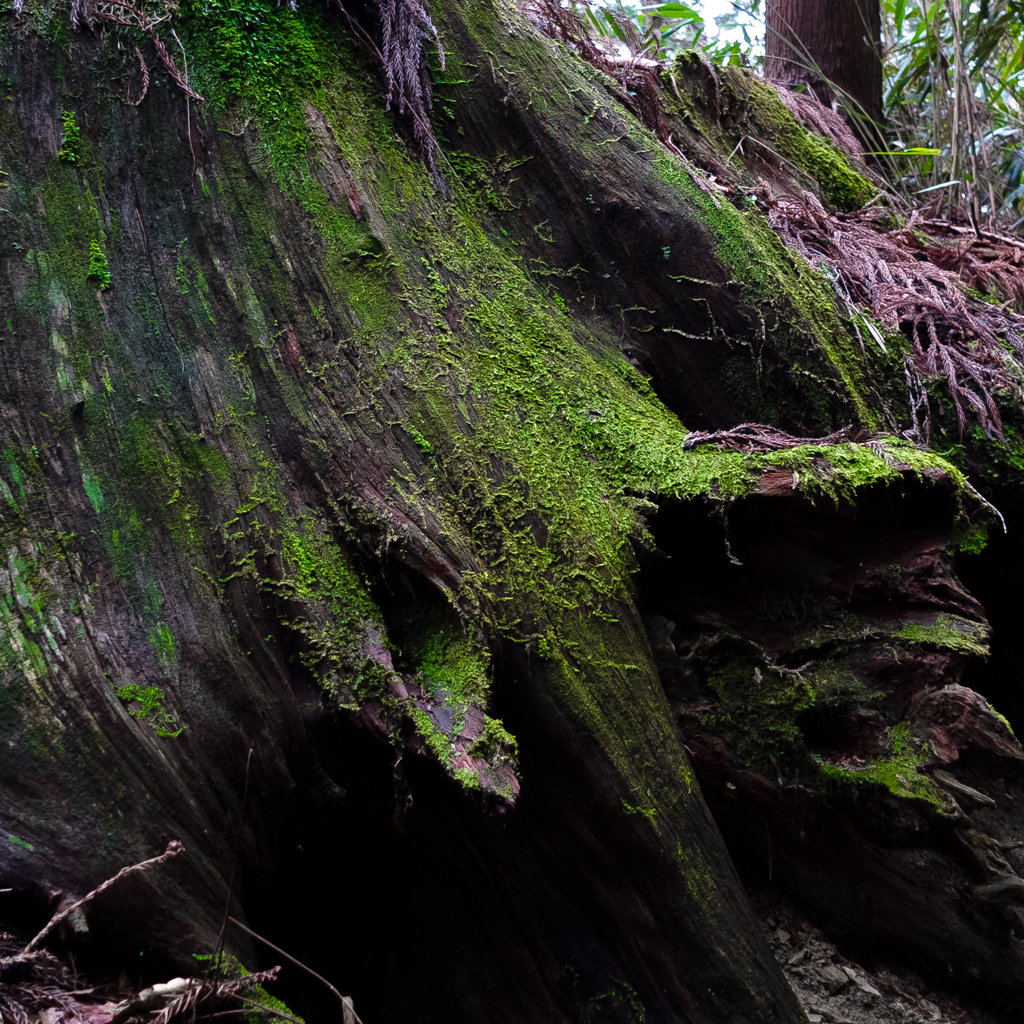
{"x":405,"y":29}
{"x":145,"y":77}
{"x":809,"y":110}
{"x":174,"y":849}
{"x":919,"y":285}
{"x":201,"y":991}
{"x":120,"y":12}
{"x":758,"y":437}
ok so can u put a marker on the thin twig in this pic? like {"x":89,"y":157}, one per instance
{"x":172,"y":851}
{"x":188,"y":106}
{"x":234,"y":864}
{"x":348,"y":1010}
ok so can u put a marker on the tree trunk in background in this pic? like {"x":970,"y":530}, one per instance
{"x":835,"y":48}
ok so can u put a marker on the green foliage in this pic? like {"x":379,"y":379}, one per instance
{"x":145,"y":703}
{"x":98,"y":269}
{"x":230,"y":967}
{"x":660,"y":31}
{"x":932,"y":63}
{"x":495,"y":742}
{"x":71,"y":144}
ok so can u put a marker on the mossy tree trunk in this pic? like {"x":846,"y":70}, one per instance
{"x":337,"y":470}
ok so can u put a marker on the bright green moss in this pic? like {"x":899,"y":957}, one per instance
{"x":496,"y":742}
{"x":897,"y":772}
{"x":1002,"y":718}
{"x":439,"y":743}
{"x":467,"y":779}
{"x":434,"y":644}
{"x":146,"y":704}
{"x":71,"y":142}
{"x":162,"y":640}
{"x":950,"y":632}
{"x":98,"y":269}
{"x":812,"y":154}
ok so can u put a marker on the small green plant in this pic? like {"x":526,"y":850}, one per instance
{"x":421,"y":442}
{"x":147,"y":705}
{"x":180,"y":273}
{"x":98,"y":269}
{"x":495,"y":742}
{"x":71,"y":143}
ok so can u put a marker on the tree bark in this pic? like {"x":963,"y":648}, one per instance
{"x":390,"y":488}
{"x":835,"y":50}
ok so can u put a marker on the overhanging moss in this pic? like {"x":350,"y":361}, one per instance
{"x":897,"y":772}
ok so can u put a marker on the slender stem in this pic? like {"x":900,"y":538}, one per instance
{"x":215,"y":962}
{"x":346,"y":1003}
{"x":172,"y":851}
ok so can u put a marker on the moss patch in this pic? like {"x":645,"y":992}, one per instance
{"x":146,"y":704}
{"x":897,"y":772}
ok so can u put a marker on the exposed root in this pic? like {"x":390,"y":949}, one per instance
{"x":916,"y":284}
{"x":757,"y":437}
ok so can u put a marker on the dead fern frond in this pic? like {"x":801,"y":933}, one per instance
{"x":120,"y":12}
{"x":919,"y":285}
{"x":810,"y":111}
{"x":174,"y":849}
{"x":405,"y":29}
{"x":32,"y":982}
{"x":199,"y":992}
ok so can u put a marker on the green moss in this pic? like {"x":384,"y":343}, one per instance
{"x":948,"y":631}
{"x":467,"y":779}
{"x":816,"y":156}
{"x":98,"y":269}
{"x":1002,"y":718}
{"x":434,"y":645}
{"x":71,"y":142}
{"x":757,"y":704}
{"x":897,"y":772}
{"x":421,"y":442}
{"x":439,"y":743}
{"x":146,"y":704}
{"x":750,"y":111}
{"x":495,"y":742}
{"x":163,"y":643}
{"x":780,"y":284}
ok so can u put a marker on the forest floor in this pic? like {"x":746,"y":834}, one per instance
{"x":835,"y":989}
